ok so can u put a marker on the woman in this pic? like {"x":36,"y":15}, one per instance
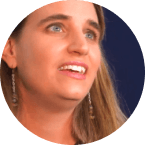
{"x":61,"y":86}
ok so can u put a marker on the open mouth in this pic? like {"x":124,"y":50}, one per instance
{"x":73,"y":71}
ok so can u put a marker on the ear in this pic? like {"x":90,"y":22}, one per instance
{"x":9,"y":53}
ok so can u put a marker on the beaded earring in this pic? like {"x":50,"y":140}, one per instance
{"x":90,"y":107}
{"x":14,"y":96}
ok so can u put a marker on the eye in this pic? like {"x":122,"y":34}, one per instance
{"x":56,"y":28}
{"x":91,"y":35}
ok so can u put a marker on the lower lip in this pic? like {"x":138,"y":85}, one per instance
{"x":74,"y":75}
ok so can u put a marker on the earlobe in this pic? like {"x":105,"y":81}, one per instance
{"x":9,"y":54}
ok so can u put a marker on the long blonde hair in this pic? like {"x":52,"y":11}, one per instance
{"x":108,"y":115}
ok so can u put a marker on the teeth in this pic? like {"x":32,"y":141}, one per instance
{"x":75,"y":68}
{"x":69,"y":67}
{"x":65,"y":67}
{"x":80,"y":69}
{"x":83,"y":70}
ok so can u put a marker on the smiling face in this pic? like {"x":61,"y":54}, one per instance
{"x":55,"y":40}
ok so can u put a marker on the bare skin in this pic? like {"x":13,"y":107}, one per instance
{"x":48,"y":98}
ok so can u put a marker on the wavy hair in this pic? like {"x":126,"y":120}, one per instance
{"x":106,"y":107}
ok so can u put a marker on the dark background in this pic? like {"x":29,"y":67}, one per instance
{"x":125,"y":59}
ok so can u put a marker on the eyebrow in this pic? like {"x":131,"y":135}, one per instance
{"x":66,"y":17}
{"x":54,"y":17}
{"x":94,"y":24}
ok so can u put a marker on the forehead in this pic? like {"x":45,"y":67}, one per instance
{"x":79,"y":10}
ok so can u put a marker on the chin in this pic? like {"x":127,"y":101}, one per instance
{"x":75,"y":96}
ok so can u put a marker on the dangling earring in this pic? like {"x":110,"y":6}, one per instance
{"x":90,"y":107}
{"x":14,"y":97}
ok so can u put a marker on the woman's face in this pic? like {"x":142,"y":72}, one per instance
{"x":58,"y":36}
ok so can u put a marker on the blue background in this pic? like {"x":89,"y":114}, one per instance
{"x":125,"y":58}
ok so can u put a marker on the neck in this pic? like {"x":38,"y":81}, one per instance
{"x":55,"y":127}
{"x":48,"y":118}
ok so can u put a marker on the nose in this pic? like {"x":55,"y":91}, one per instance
{"x":78,"y":43}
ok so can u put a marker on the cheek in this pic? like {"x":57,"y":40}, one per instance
{"x":38,"y":61}
{"x":96,"y":58}
{"x":35,"y":50}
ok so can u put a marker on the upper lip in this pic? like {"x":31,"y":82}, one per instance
{"x":78,"y":63}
